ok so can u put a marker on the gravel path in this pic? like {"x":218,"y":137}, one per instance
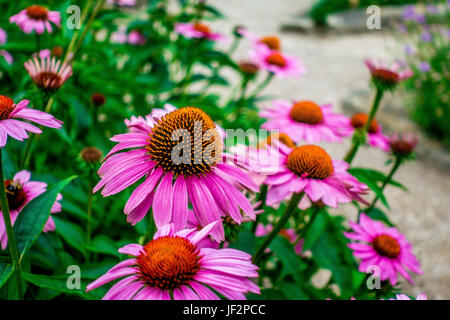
{"x":335,"y":70}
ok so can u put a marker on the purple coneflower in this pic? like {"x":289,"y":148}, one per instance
{"x":36,"y":18}
{"x":306,"y":121}
{"x":198,"y":30}
{"x":387,"y":77}
{"x":3,"y":53}
{"x":174,"y":266}
{"x":9,"y":126}
{"x":276,"y":62}
{"x":198,"y":176}
{"x":383,"y":247}
{"x":48,"y":73}
{"x":311,"y":170}
{"x":375,"y":136}
{"x":19,"y":191}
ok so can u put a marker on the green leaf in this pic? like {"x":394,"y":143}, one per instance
{"x":58,"y":283}
{"x":31,"y":220}
{"x":5,"y":273}
{"x":291,"y":262}
{"x":71,"y":233}
{"x":377,"y":214}
{"x":314,"y":231}
{"x":103,"y":244}
{"x":292,"y":291}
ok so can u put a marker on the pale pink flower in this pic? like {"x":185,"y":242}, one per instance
{"x":383,"y":247}
{"x":19,"y":191}
{"x":198,"y":30}
{"x":36,"y":18}
{"x":402,"y":296}
{"x":135,"y":37}
{"x":3,"y":53}
{"x":280,"y":64}
{"x":306,"y":121}
{"x":48,"y":73}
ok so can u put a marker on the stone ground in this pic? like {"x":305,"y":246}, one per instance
{"x":335,"y":73}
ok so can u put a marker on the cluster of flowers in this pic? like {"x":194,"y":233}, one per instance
{"x":189,"y":201}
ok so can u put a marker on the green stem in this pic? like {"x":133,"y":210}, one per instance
{"x":75,"y":36}
{"x":262,"y":85}
{"x":234,"y":46}
{"x":12,"y":243}
{"x":262,"y":198}
{"x":356,"y":143}
{"x":290,"y":209}
{"x":241,"y":99}
{"x":97,"y":8}
{"x":306,"y":227}
{"x":151,"y":228}
{"x":89,"y":208}
{"x":394,"y":168}
{"x":38,"y":43}
{"x":27,"y":155}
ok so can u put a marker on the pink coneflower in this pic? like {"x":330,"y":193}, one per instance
{"x":149,"y":120}
{"x":276,"y":62}
{"x":136,"y":37}
{"x":193,"y":174}
{"x":383,"y":247}
{"x":401,"y":296}
{"x":174,"y":266}
{"x":9,"y":126}
{"x":48,"y":73}
{"x":19,"y":191}
{"x":306,"y":121}
{"x":376,"y":138}
{"x":3,"y":53}
{"x":387,"y":77}
{"x":198,"y":30}
{"x":403,"y":145}
{"x":119,"y":36}
{"x":289,"y":234}
{"x":272,"y":42}
{"x":311,"y":170}
{"x":36,"y":18}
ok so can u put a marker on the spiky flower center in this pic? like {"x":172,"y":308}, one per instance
{"x":15,"y":194}
{"x":248,"y":68}
{"x":203,"y":28}
{"x":306,"y":112}
{"x":91,"y":154}
{"x":276,"y":59}
{"x":48,"y":80}
{"x":402,"y":147}
{"x":6,"y":107}
{"x":359,"y":121}
{"x":168,"y":262}
{"x":186,"y":142}
{"x":272,"y":42}
{"x":310,"y":161}
{"x":386,"y":246}
{"x":385,"y":75}
{"x":283,"y":138}
{"x":36,"y":12}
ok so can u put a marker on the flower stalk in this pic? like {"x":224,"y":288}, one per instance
{"x":388,"y":179}
{"x":12,"y":243}
{"x":290,"y":209}
{"x":356,"y":141}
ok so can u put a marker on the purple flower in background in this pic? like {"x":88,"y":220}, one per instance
{"x":424,"y":66}
{"x":410,"y":50}
{"x":409,"y":13}
{"x":432,"y":9}
{"x":402,"y":28}
{"x":426,"y":36}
